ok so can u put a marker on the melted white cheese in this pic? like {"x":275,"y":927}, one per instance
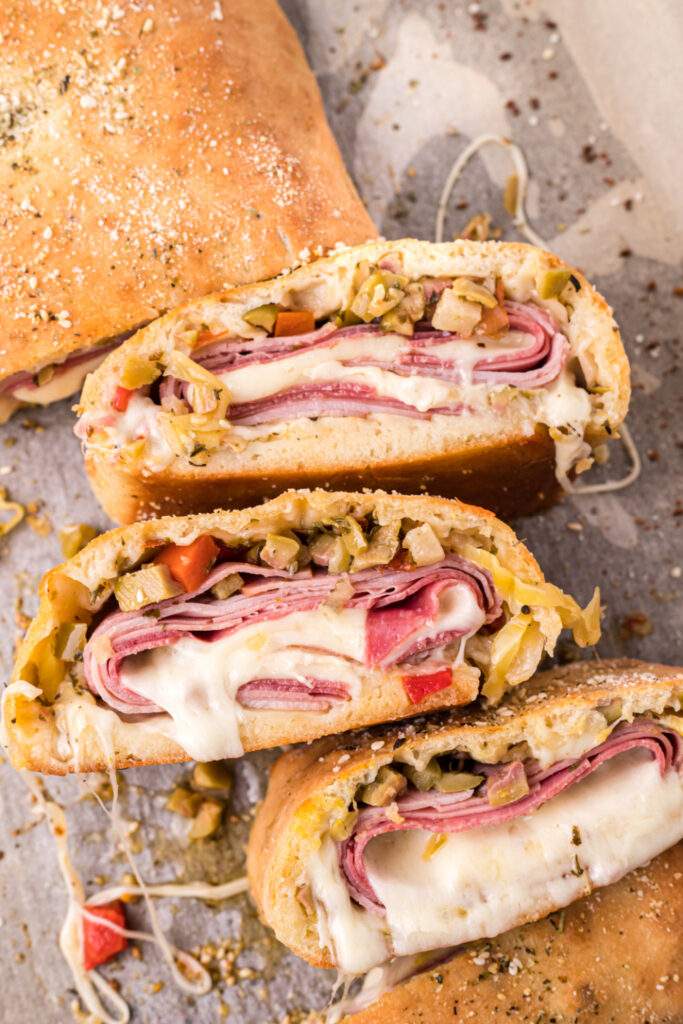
{"x":563,"y":404}
{"x":422,"y":393}
{"x":258,"y":380}
{"x":196,"y":682}
{"x":326,"y":364}
{"x":485,"y":881}
{"x":190,"y":976}
{"x":141,"y":420}
{"x":8,"y":406}
{"x":63,"y":384}
{"x":356,"y":937}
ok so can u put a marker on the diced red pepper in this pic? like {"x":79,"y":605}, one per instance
{"x":121,"y":398}
{"x":421,"y":686}
{"x":101,"y":943}
{"x":296,"y":321}
{"x":190,"y":564}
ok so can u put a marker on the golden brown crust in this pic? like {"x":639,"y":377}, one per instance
{"x":309,"y":784}
{"x":36,"y":732}
{"x":511,"y":476}
{"x":37,"y":749}
{"x":152,"y":157}
{"x":443,"y":455}
{"x":615,"y":957}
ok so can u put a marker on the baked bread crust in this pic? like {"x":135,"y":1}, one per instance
{"x":130,"y":145}
{"x":612,"y":958}
{"x":510,"y":474}
{"x":505,"y":464}
{"x":309,"y":785}
{"x":60,"y":737}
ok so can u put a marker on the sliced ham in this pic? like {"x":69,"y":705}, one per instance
{"x":229,"y":353}
{"x":270,"y":594}
{"x":533,"y":365}
{"x":460,"y":812}
{"x":395,"y":633}
{"x":292,"y":694}
{"x":330,"y":398}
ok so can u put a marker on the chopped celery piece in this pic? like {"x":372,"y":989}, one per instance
{"x":149,"y":585}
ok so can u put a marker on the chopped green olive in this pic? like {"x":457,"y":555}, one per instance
{"x":45,"y":375}
{"x":502,"y":795}
{"x":137,"y":372}
{"x":425,"y":778}
{"x":280,"y":552}
{"x":379,"y":293}
{"x":212,"y":775}
{"x":254,"y":552}
{"x":457,"y":782}
{"x":423,"y":545}
{"x":397,"y":321}
{"x":381,"y":548}
{"x":262,"y":316}
{"x":474,"y":292}
{"x":612,"y":711}
{"x":184,"y":802}
{"x":410,"y":309}
{"x":149,"y":585}
{"x":553,"y":282}
{"x":328,"y":550}
{"x":353,"y":536}
{"x":207,"y":820}
{"x":346,"y":318}
{"x":228,"y":586}
{"x":386,"y":787}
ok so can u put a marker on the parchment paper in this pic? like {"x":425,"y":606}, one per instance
{"x":591,"y":92}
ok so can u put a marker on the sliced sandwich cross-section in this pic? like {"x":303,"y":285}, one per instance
{"x":204,"y":636}
{"x":487,"y":371}
{"x":436,"y":833}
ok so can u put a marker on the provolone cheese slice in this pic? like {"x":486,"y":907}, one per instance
{"x":483,"y":882}
{"x":196,"y":682}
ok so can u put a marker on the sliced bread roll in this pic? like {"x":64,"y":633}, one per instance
{"x":150,"y":155}
{"x":482,"y":370}
{"x":434,"y":833}
{"x":204,"y":636}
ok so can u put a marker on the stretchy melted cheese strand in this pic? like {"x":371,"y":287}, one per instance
{"x":568,"y":449}
{"x":193,"y":979}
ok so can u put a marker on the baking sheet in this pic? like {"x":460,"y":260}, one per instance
{"x":407,"y":85}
